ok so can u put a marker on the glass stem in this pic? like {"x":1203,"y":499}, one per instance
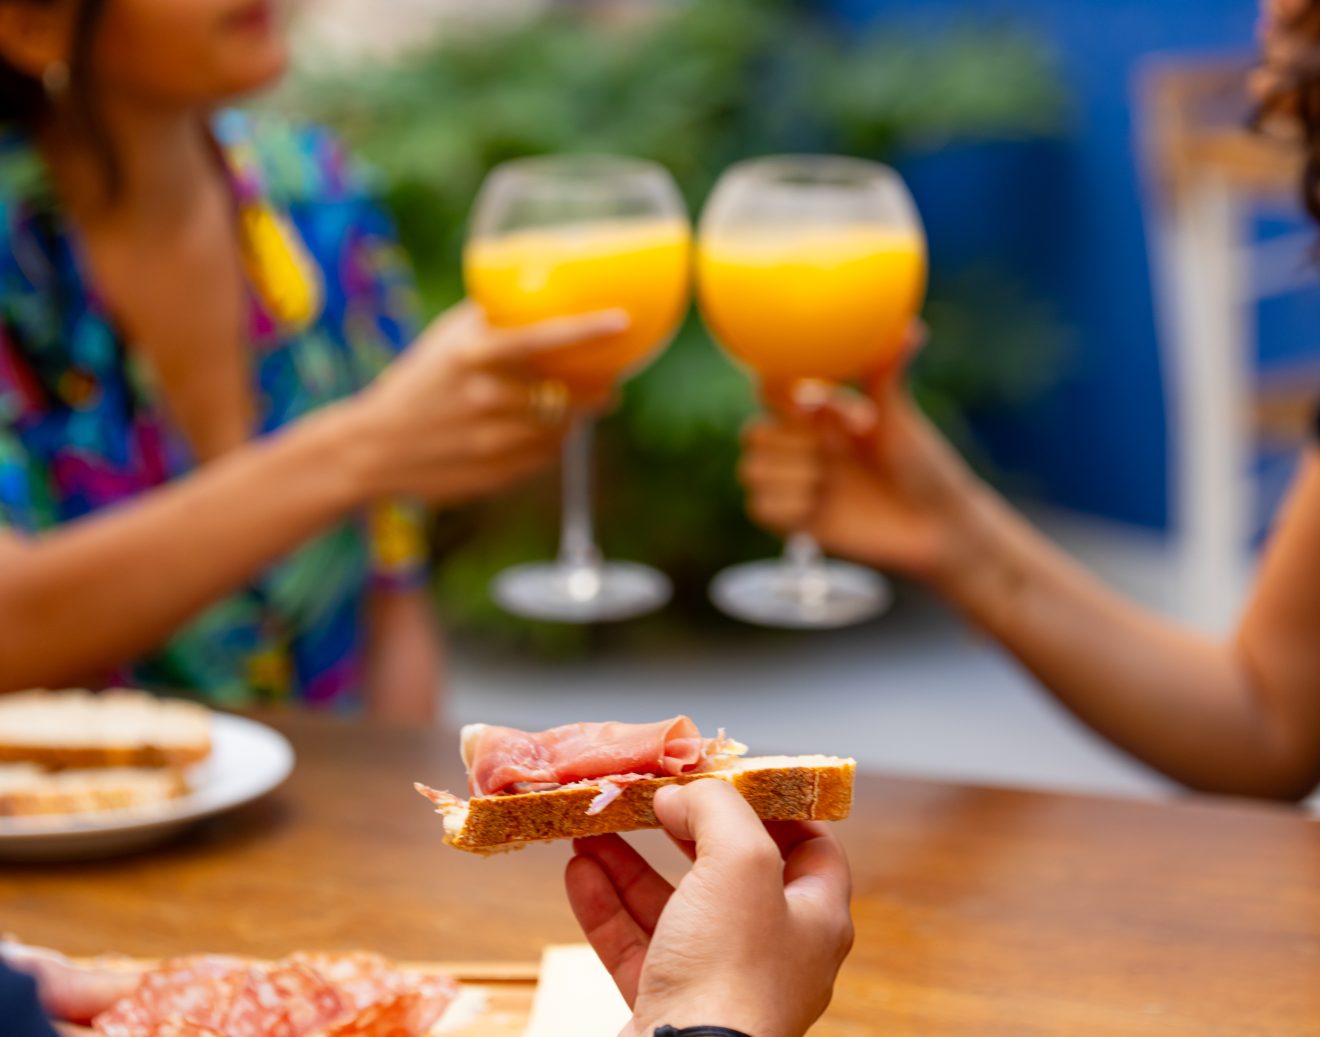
{"x":806,"y":567}
{"x":577,"y":538}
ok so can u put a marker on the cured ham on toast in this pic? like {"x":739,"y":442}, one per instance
{"x":581,"y":780}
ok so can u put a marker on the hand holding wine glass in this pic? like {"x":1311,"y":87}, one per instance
{"x":866,"y":475}
{"x":462,"y":413}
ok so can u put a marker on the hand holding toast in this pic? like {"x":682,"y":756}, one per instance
{"x":752,"y":937}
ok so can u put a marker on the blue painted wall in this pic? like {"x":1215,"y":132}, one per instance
{"x":1069,"y":219}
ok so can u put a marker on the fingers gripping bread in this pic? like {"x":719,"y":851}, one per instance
{"x":779,"y":788}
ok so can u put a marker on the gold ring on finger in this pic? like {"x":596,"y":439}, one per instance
{"x":549,"y":401}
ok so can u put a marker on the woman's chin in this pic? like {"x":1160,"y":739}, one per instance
{"x":258,"y":71}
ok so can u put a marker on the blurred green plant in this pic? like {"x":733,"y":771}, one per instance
{"x":696,"y":88}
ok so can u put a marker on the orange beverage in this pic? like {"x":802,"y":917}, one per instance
{"x":641,"y":266}
{"x":823,"y":302}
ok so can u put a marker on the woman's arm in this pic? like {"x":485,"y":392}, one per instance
{"x":109,"y":588}
{"x":448,"y":422}
{"x":404,"y":658}
{"x":873,"y":480}
{"x":1240,"y":716}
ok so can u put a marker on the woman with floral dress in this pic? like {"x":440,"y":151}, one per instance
{"x":207,"y":484}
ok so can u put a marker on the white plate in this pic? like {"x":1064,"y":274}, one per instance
{"x":247,"y":760}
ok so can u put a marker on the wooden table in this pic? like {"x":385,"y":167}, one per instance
{"x":978,"y":912}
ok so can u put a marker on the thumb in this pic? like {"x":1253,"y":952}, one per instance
{"x":68,"y":992}
{"x":843,"y":418}
{"x":724,"y":830}
{"x":886,"y":379}
{"x":79,"y":995}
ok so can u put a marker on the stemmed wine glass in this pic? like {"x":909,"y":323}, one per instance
{"x":809,"y":268}
{"x":567,"y":235}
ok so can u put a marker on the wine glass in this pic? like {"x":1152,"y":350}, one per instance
{"x":809,"y":268}
{"x":566,"y":235}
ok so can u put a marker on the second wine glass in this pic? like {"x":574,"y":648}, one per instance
{"x":809,"y":267}
{"x":567,"y":235}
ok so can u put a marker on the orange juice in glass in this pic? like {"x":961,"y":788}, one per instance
{"x":563,"y":236}
{"x":809,"y":267}
{"x":640,"y":265}
{"x":831,"y":303}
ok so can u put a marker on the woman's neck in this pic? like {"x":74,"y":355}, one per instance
{"x":162,"y":165}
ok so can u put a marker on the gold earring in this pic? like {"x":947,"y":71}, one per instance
{"x":55,"y":80}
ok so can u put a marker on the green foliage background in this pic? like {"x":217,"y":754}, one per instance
{"x":703,"y":85}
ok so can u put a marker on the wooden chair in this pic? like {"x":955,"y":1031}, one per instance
{"x":1206,"y":175}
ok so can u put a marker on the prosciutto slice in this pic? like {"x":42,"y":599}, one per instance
{"x":502,"y":759}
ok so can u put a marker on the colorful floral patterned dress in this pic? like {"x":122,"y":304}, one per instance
{"x":81,"y":428}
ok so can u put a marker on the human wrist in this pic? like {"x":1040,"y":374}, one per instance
{"x":322,"y":457}
{"x":979,"y":573}
{"x":743,"y":1015}
{"x":681,"y":1022}
{"x":349,"y":434}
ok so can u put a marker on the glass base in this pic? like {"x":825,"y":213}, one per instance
{"x":564,"y":593}
{"x":776,"y":594}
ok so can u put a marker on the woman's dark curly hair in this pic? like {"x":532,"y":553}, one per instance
{"x":23,"y":98}
{"x":1289,"y":84}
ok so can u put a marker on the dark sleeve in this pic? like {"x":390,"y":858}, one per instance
{"x":20,"y":1010}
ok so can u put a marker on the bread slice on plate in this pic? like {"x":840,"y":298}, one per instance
{"x":27,"y":790}
{"x":75,"y":730}
{"x":779,"y":788}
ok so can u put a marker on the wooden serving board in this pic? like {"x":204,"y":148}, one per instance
{"x":508,"y":990}
{"x":507,"y":1012}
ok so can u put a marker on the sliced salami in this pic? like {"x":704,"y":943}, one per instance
{"x":368,"y":981}
{"x":173,"y":991}
{"x":178,"y":1028}
{"x":358,"y":995}
{"x":398,"y":1016}
{"x":361,"y":979}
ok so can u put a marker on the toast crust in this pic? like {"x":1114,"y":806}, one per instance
{"x":778,"y":789}
{"x":71,"y":758}
{"x":90,"y":792}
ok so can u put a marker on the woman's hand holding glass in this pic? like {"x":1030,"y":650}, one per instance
{"x":865,"y":474}
{"x":463,"y":412}
{"x":751,"y":938}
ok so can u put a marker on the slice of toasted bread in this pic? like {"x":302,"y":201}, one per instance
{"x":28,"y":790}
{"x":61,"y":730}
{"x":779,"y":788}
